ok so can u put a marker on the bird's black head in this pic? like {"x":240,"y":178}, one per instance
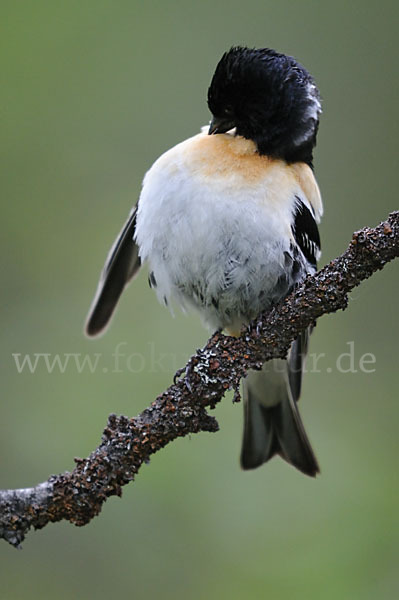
{"x":269,"y":98}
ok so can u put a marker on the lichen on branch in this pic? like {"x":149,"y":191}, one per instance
{"x":127,"y":443}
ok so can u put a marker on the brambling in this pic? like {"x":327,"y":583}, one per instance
{"x":227,"y":223}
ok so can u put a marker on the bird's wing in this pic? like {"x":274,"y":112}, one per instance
{"x":122,"y":264}
{"x":306,"y":234}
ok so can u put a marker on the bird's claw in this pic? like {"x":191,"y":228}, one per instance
{"x":187,"y":372}
{"x":178,"y":374}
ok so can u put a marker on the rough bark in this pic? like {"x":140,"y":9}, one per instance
{"x":126,"y":443}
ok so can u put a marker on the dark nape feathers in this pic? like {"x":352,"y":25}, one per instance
{"x":270,"y":98}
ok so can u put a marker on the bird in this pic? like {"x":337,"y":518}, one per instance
{"x":227,"y":222}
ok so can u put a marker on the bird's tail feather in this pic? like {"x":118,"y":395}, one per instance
{"x":272,"y":424}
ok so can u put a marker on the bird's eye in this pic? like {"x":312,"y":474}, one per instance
{"x":228,"y":111}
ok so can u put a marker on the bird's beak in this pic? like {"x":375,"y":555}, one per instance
{"x":218,"y":125}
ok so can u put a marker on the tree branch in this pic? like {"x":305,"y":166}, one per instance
{"x":127,"y":443}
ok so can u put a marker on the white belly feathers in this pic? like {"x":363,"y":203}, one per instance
{"x":214,"y":224}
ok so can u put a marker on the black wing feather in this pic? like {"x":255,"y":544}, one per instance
{"x":306,"y":232}
{"x":122,"y":264}
{"x":307,"y":237}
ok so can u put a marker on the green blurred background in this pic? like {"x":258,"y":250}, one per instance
{"x":92,"y":92}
